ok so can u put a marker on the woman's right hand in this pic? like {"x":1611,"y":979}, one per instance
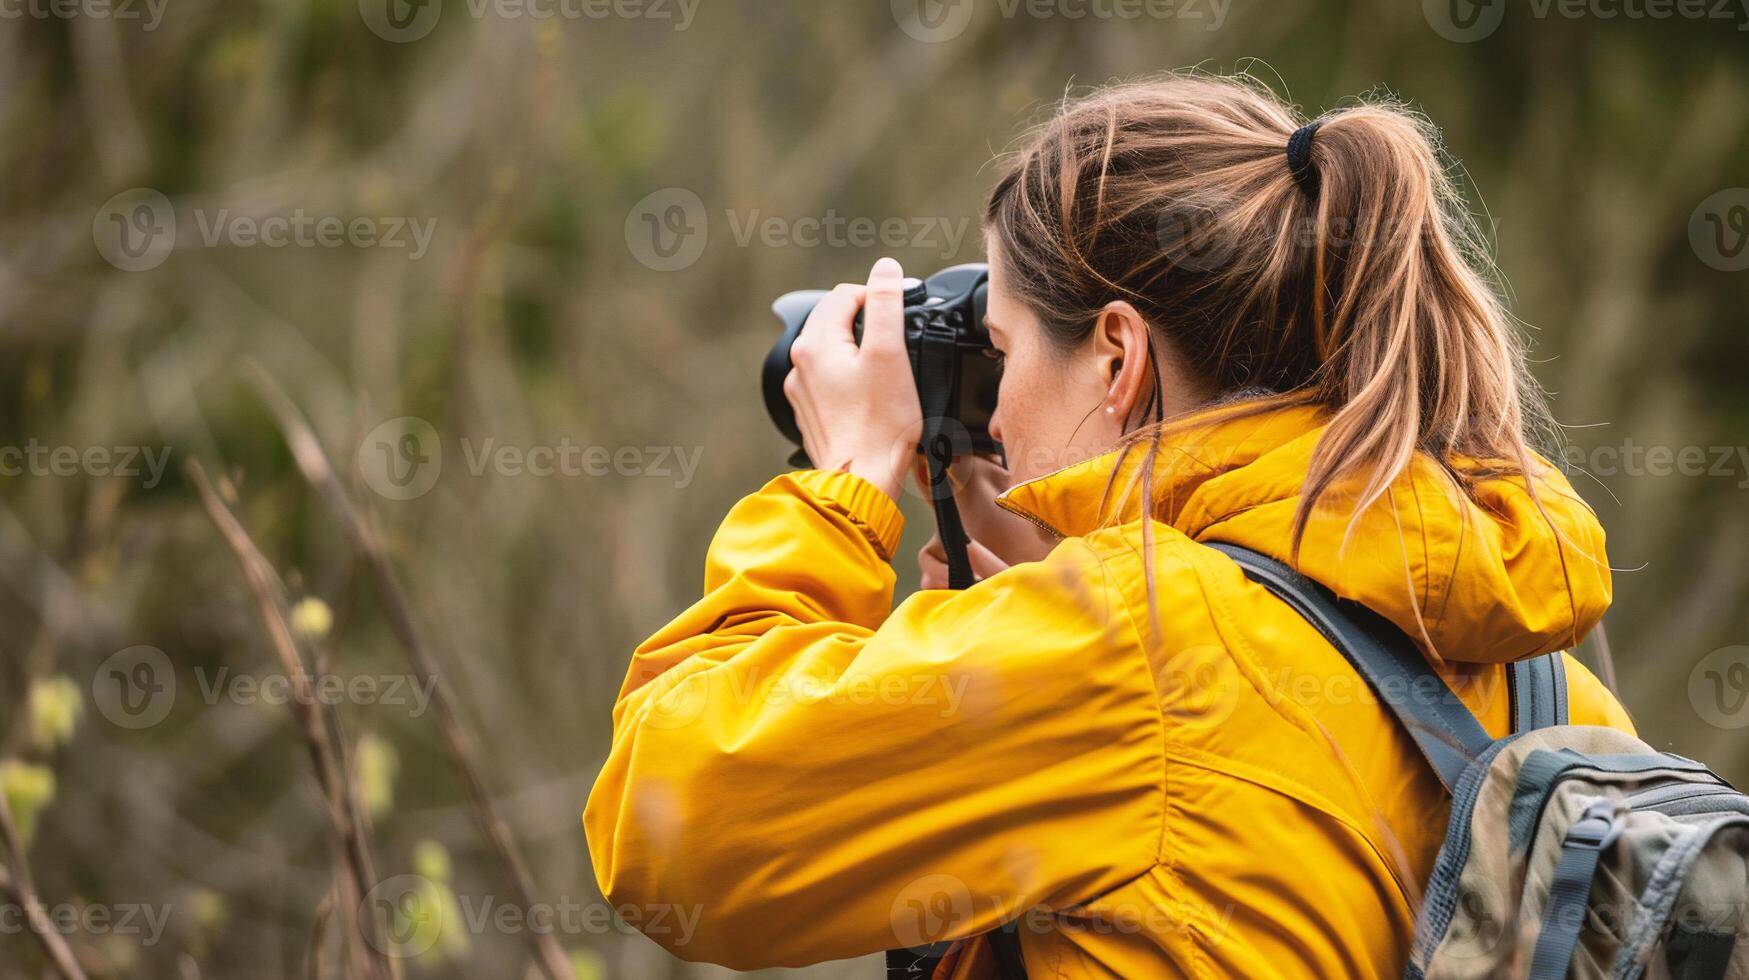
{"x":932,"y":562}
{"x":999,"y":538}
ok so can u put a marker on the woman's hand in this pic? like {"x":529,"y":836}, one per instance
{"x":857,"y":406}
{"x":932,"y":562}
{"x":999,"y":538}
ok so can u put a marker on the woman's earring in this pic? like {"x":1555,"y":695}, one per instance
{"x":1110,"y":409}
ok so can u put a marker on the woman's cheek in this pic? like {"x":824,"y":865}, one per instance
{"x":1018,"y":403}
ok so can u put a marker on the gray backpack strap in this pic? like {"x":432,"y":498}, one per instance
{"x":1443,"y":729}
{"x":1570,"y":890}
{"x":1539,"y":692}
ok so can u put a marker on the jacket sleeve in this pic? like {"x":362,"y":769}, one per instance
{"x":798,"y":776}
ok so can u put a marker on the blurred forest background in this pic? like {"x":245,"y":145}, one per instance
{"x":593,"y":190}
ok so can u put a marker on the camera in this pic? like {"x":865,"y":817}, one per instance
{"x":956,"y":369}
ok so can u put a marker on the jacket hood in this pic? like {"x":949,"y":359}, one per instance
{"x":1488,"y":576}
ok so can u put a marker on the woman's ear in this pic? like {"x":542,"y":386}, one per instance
{"x":1120,"y":338}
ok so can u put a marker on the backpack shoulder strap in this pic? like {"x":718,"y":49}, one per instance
{"x":1443,"y":729}
{"x":1005,"y":944}
{"x":1539,"y":692}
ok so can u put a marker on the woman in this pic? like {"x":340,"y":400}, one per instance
{"x":1114,"y":736}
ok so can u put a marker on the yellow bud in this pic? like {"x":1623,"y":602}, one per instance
{"x":29,"y":789}
{"x":210,"y":915}
{"x":430,"y":920}
{"x":378,"y":763}
{"x":431,"y":860}
{"x":55,"y":707}
{"x":311,"y":618}
{"x":587,"y":964}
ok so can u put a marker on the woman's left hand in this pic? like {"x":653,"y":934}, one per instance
{"x":857,"y":406}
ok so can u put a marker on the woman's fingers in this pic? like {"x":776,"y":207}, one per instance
{"x":856,"y":409}
{"x":984,"y":561}
{"x":883,"y":310}
{"x":932,"y":562}
{"x":831,"y":320}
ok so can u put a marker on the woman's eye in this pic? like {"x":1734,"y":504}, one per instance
{"x":994,"y":354}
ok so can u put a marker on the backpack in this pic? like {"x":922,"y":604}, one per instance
{"x":1572,"y":851}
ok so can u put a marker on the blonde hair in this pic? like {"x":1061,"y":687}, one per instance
{"x":1370,"y":295}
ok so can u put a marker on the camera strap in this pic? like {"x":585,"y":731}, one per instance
{"x":937,"y":373}
{"x":937,"y":380}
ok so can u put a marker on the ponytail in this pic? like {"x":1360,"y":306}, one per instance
{"x":1349,"y":275}
{"x":1416,"y":349}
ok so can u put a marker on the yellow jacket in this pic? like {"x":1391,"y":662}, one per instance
{"x":802,"y":772}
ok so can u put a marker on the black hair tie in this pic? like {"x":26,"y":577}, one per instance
{"x":1299,"y":158}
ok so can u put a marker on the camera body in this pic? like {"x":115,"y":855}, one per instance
{"x":948,"y":307}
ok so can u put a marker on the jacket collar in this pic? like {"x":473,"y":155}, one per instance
{"x":1074,"y":501}
{"x":1491,"y":576}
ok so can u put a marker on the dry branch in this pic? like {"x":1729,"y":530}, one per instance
{"x":457,"y":743}
{"x":367,"y":950}
{"x":18,"y":886}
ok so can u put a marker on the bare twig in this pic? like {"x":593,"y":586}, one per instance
{"x":457,"y":742}
{"x":343,"y":824}
{"x":17,"y":884}
{"x":313,"y":953}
